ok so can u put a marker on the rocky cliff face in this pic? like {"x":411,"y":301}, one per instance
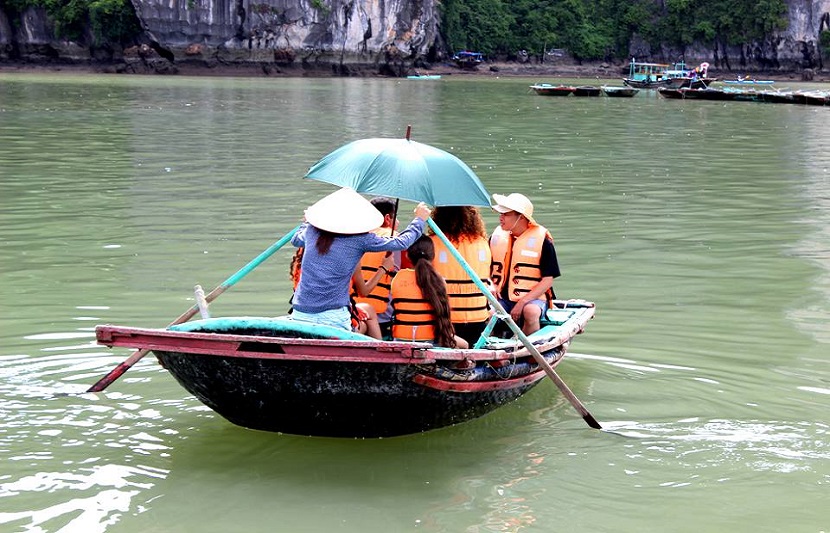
{"x":330,"y":36}
{"x":345,"y":37}
{"x":342,"y":35}
{"x":795,"y":49}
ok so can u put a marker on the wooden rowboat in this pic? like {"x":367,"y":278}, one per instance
{"x":546,"y":89}
{"x":284,"y":375}
{"x":620,"y":92}
{"x":586,"y":90}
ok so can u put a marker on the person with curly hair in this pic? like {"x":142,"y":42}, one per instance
{"x":464,"y":228}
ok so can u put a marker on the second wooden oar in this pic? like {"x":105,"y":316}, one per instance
{"x":119,"y":370}
{"x":563,"y":387}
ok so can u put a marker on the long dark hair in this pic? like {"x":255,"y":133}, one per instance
{"x":433,"y":288}
{"x":324,"y":241}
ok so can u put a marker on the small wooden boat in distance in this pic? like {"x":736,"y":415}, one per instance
{"x":586,"y":90}
{"x":546,"y":89}
{"x":467,"y":60}
{"x":620,"y":92}
{"x":424,"y":77}
{"x":748,"y":81}
{"x":670,"y":92}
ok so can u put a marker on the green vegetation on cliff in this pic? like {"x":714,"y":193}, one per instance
{"x":587,"y":29}
{"x":603,"y":29}
{"x":105,"y":21}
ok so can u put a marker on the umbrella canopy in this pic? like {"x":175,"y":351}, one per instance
{"x":402,"y":168}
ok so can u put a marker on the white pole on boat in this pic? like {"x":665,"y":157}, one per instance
{"x":201,"y":301}
{"x":119,"y":370}
{"x":504,"y":315}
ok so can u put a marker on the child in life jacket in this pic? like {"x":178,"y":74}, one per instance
{"x":420,"y":302}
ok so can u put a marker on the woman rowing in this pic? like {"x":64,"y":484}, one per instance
{"x":336,"y":233}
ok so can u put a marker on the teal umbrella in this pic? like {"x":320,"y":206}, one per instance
{"x":402,"y":168}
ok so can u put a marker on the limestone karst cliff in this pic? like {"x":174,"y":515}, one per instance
{"x":337,"y":34}
{"x":341,"y":37}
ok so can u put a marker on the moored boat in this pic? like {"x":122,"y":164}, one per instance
{"x":676,"y":75}
{"x":777,"y":97}
{"x":708,"y":93}
{"x":748,"y":81}
{"x":620,"y":92}
{"x":586,"y":90}
{"x":818,"y":98}
{"x":467,"y":60}
{"x":424,"y":77}
{"x":669,"y":92}
{"x":547,"y":89}
{"x":284,"y":375}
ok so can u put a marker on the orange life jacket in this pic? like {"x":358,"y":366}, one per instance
{"x":467,"y":303}
{"x":414,"y":317}
{"x":523,"y":259}
{"x":378,"y":298}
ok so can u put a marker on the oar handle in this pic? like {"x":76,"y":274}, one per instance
{"x":119,"y":370}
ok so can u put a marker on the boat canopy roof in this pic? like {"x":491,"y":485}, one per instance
{"x":465,"y":54}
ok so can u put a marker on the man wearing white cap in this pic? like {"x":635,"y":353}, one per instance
{"x":524,"y":261}
{"x":336,"y":233}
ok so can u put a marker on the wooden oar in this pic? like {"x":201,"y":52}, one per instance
{"x":504,"y":315}
{"x":119,"y":370}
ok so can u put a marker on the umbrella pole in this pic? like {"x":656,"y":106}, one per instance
{"x":119,"y":370}
{"x":504,"y":315}
{"x":395,"y":215}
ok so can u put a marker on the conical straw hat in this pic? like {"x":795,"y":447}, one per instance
{"x":344,"y":212}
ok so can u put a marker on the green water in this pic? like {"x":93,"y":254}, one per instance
{"x":700,"y":229}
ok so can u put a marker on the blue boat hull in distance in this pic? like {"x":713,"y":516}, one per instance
{"x":748,"y":82}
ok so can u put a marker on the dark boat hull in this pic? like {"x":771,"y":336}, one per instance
{"x":620,"y":92}
{"x":587,"y":91}
{"x":329,"y":399}
{"x":282,"y":375}
{"x":553,"y":90}
{"x":671,"y":83}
